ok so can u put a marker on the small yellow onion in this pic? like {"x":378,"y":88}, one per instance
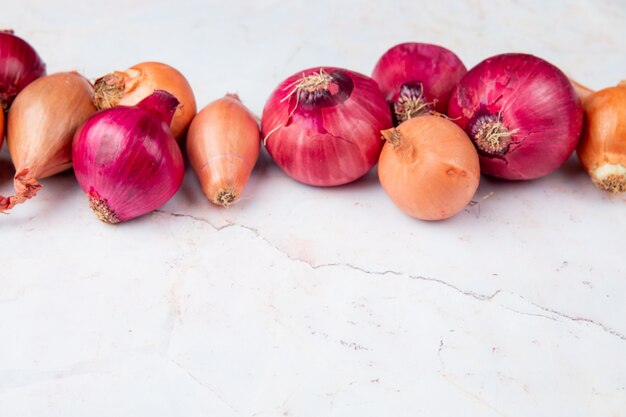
{"x":40,"y":128}
{"x":223,"y":146}
{"x":429,"y":167}
{"x":128,"y":88}
{"x":602,"y":149}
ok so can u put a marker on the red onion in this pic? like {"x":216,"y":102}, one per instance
{"x":522,"y":114}
{"x":417,"y":78}
{"x":322,"y":125}
{"x":126,"y":159}
{"x":19,"y":66}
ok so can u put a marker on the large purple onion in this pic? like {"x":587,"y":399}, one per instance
{"x":522,"y":114}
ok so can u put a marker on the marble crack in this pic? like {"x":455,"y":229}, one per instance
{"x":472,"y":294}
{"x":602,"y":326}
{"x":197,"y":219}
{"x":256,"y":233}
{"x":199,"y":382}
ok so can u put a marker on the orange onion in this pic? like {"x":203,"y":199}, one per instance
{"x":128,"y":88}
{"x":429,"y":167}
{"x":40,"y":128}
{"x":223,"y":146}
{"x":602,"y":149}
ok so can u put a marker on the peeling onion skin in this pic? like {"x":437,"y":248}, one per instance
{"x":126,"y":159}
{"x":223,"y":146}
{"x":129,"y":87}
{"x":40,"y":128}
{"x":19,"y":66}
{"x":429,"y":168}
{"x":602,"y":149}
{"x":332,"y":139}
{"x":432,"y":70}
{"x":521,"y":112}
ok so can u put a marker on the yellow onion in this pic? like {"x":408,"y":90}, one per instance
{"x":223,"y":145}
{"x":40,"y":128}
{"x":602,"y":149}
{"x":128,"y":88}
{"x":429,"y":167}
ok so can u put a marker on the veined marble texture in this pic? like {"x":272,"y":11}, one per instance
{"x":310,"y":302}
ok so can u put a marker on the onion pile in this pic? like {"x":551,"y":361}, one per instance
{"x":513,"y":116}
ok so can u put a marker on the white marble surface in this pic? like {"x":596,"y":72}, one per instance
{"x":315,"y":302}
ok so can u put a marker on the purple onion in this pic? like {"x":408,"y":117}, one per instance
{"x":19,"y":66}
{"x":522,"y":114}
{"x":126,"y":159}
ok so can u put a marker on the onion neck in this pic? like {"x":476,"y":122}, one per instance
{"x":610,"y":177}
{"x":162,"y":104}
{"x":581,"y":91}
{"x":490,"y":135}
{"x":392,"y":136}
{"x":102,"y":211}
{"x":410,"y":102}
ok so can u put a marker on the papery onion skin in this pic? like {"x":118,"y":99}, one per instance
{"x":223,"y":146}
{"x":429,"y":167}
{"x":129,"y":87}
{"x":40,"y":128}
{"x":19,"y":66}
{"x":522,"y":114}
{"x":325,"y":136}
{"x":126,"y":159}
{"x":582,"y":91}
{"x":602,"y":149}
{"x":417,"y":78}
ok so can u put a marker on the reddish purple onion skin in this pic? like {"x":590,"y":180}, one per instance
{"x":421,"y":73}
{"x":539,"y":112}
{"x":328,"y":136}
{"x":126,"y":159}
{"x":19,"y":66}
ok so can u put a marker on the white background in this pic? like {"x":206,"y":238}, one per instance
{"x":301,"y":301}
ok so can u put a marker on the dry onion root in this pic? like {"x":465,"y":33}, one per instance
{"x":223,"y":146}
{"x":40,"y":128}
{"x":429,"y":167}
{"x":602,"y":149}
{"x":129,"y":87}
